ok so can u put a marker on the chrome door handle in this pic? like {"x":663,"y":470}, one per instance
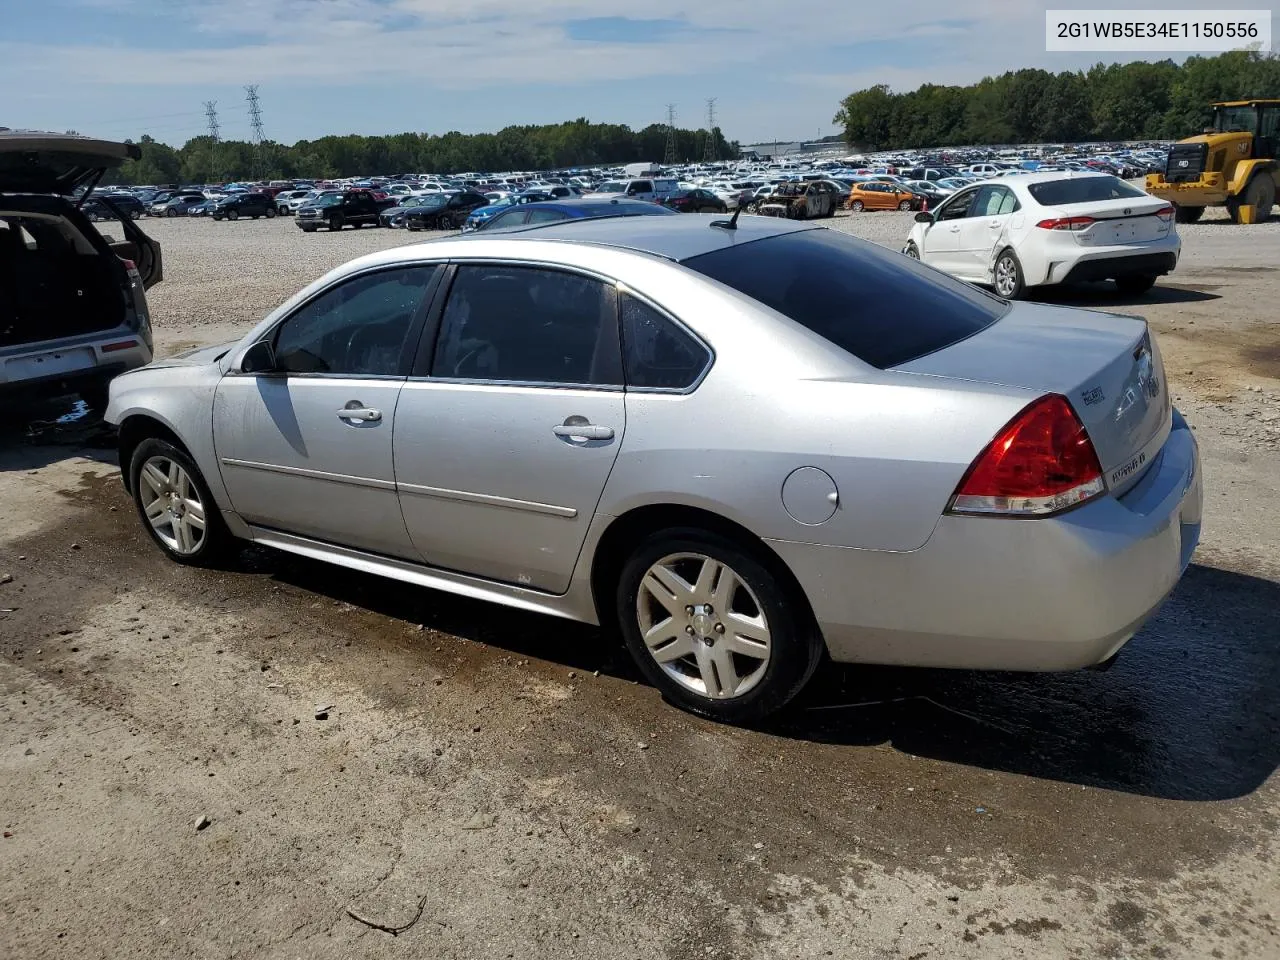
{"x":583,"y":431}
{"x":367,"y":414}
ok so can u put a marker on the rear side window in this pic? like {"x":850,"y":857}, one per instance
{"x":656,"y":353}
{"x":529,"y":325}
{"x":1062,"y":193}
{"x":882,"y":307}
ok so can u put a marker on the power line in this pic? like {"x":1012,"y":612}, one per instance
{"x":709,"y":147}
{"x":669,"y":155}
{"x":211,"y":114}
{"x":255,"y":126}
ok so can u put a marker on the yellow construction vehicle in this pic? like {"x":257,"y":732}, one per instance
{"x":1232,"y":164}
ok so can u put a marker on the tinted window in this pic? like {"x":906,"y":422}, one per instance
{"x":875,"y":303}
{"x":529,"y":325}
{"x":656,"y":352}
{"x":358,"y":328}
{"x":1059,"y":193}
{"x":545,"y":216}
{"x":958,"y":206}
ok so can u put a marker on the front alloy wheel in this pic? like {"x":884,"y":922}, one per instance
{"x":175,"y":505}
{"x":172,"y":505}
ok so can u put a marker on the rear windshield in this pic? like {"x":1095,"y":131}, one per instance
{"x":1062,"y":193}
{"x":879,"y":305}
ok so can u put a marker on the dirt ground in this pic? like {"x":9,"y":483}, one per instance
{"x":223,"y":763}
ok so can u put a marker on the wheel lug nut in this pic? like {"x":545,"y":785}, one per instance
{"x":689,"y":610}
{"x":689,"y":630}
{"x":719,"y":628}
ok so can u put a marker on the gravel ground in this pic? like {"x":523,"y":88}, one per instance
{"x":509,"y":775}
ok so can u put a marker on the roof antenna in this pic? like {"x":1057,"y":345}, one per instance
{"x":732,"y":222}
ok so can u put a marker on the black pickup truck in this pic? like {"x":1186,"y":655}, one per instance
{"x":336,"y":210}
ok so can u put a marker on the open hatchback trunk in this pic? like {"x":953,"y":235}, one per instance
{"x":60,"y":276}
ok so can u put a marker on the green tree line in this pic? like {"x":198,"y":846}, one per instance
{"x":1132,"y":101}
{"x":577,"y":143}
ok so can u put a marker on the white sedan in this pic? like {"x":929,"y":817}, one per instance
{"x":1049,"y":228}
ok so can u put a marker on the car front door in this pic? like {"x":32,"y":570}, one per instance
{"x":983,"y":229}
{"x":305,"y":447}
{"x":508,"y":428}
{"x":941,"y":245}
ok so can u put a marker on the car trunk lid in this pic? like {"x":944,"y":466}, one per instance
{"x":1108,"y":367}
{"x":1105,"y":223}
{"x":33,"y":162}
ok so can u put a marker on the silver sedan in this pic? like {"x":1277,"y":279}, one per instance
{"x":746,"y":443}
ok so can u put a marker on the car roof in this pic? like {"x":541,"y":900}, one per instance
{"x":678,"y":237}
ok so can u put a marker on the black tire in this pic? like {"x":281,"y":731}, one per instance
{"x":1187,"y":214}
{"x":1135,"y":284}
{"x":271,"y":213}
{"x":335,"y":224}
{"x":1016,"y":286}
{"x":795,"y":645}
{"x":308,"y":229}
{"x":1261,"y":195}
{"x":95,"y":395}
{"x":904,"y":205}
{"x":857,"y":206}
{"x":216,"y":542}
{"x":233,"y":215}
{"x":171,"y":212}
{"x":911,"y":250}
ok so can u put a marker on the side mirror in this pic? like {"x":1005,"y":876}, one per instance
{"x":924,"y":216}
{"x":259,"y":358}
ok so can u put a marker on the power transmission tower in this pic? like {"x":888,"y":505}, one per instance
{"x":255,"y":126}
{"x":709,"y":148}
{"x":669,"y":156}
{"x":211,"y":114}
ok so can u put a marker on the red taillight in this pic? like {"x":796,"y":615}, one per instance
{"x":129,"y":265}
{"x":1041,"y":463}
{"x":1067,"y":223}
{"x":1165,"y":213}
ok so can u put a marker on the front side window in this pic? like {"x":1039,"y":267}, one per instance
{"x":657,"y":354}
{"x":356,"y":329}
{"x":958,"y":206}
{"x":529,"y":325}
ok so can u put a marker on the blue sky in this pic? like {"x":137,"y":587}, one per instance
{"x":120,"y":68}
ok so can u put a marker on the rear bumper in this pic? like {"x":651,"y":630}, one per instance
{"x":1004,"y":594}
{"x":73,"y":362}
{"x":1124,"y":265}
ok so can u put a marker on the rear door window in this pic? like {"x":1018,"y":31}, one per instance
{"x":658,"y":354}
{"x":874,"y":303}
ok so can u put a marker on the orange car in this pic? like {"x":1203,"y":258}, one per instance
{"x":880,"y":195}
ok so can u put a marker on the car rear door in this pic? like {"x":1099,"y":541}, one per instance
{"x":507,"y":430}
{"x":306,"y":447}
{"x":983,"y":229}
{"x":135,"y":246}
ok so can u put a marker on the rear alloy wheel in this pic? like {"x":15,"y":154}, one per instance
{"x":713,"y":628}
{"x":911,"y":250}
{"x":1187,"y":214}
{"x":857,"y":206}
{"x":1007,"y":278}
{"x":271,"y":213}
{"x":1261,"y":195}
{"x":1135,"y":284}
{"x":904,"y":205}
{"x":175,"y":505}
{"x":171,"y":212}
